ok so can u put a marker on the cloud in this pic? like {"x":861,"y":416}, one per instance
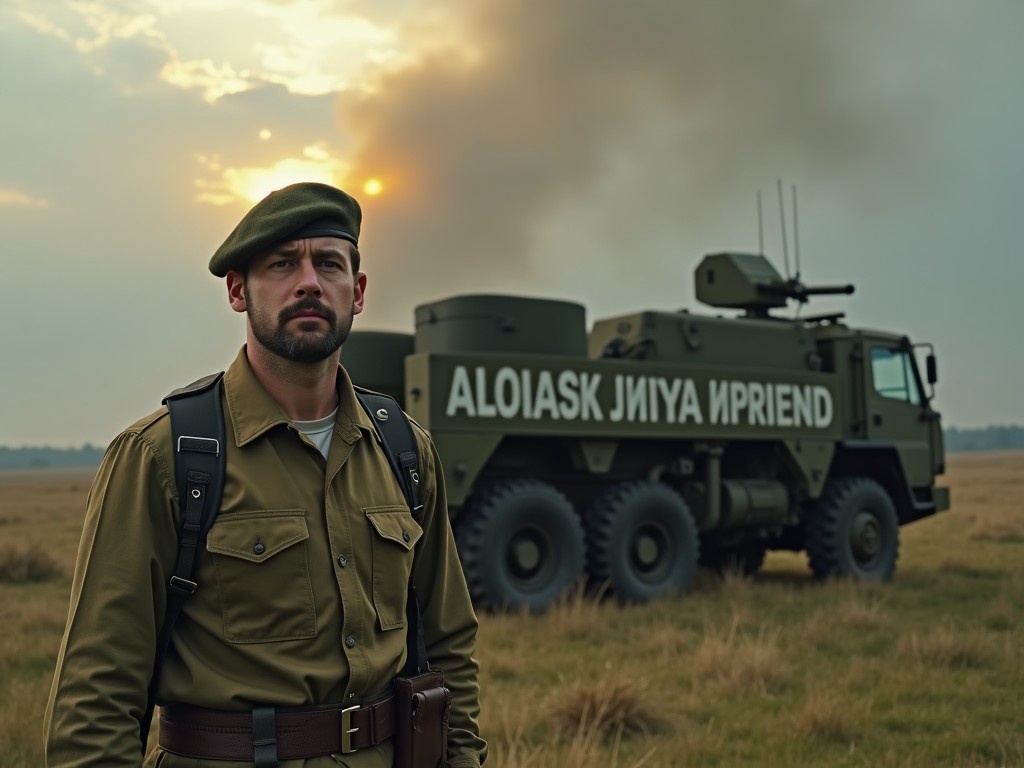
{"x":43,"y":24}
{"x":310,"y":48}
{"x":107,"y":24}
{"x":15,"y":197}
{"x":215,"y":80}
{"x":253,"y":183}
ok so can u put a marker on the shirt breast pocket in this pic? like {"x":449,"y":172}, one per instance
{"x":262,"y":572}
{"x":395,"y":533}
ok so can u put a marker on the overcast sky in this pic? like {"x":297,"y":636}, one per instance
{"x":592,"y":150}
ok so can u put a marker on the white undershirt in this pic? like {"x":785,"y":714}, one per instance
{"x":319,"y":431}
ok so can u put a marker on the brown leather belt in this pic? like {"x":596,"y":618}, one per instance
{"x":301,"y":732}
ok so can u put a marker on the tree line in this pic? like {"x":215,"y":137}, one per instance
{"x":85,"y":457}
{"x":984,"y":439}
{"x":995,"y":438}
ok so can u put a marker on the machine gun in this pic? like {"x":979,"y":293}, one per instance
{"x":749,"y":282}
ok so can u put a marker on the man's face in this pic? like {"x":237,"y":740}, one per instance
{"x":300,"y":298}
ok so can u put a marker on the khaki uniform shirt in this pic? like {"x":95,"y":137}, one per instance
{"x":317,"y":617}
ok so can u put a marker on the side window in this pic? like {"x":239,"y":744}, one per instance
{"x":893,"y":375}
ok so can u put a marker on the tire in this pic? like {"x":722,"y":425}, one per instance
{"x":642,"y":542}
{"x":853,"y":531}
{"x":744,"y":558}
{"x":521,"y":545}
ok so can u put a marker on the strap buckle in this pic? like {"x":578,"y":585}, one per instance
{"x":183,"y":584}
{"x":347,"y":730}
{"x":198,"y":444}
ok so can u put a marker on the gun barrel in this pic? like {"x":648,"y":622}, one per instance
{"x":828,"y":290}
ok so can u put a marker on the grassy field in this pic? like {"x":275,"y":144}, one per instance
{"x":774,"y":671}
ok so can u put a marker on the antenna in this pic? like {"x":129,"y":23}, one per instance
{"x":782,"y":217}
{"x":796,"y":236}
{"x":760,"y":226}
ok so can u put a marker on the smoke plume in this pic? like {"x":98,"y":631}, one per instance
{"x":549,"y":143}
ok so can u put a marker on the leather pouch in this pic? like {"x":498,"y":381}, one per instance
{"x":421,"y":736}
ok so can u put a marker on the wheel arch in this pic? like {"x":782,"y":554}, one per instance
{"x":880,"y":462}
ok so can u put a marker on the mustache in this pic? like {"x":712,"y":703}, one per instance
{"x":307,"y":305}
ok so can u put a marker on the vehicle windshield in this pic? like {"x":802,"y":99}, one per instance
{"x":894,"y":376}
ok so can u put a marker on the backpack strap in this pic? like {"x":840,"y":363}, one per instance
{"x":197,"y":430}
{"x":400,"y":445}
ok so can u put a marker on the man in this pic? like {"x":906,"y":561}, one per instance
{"x":304,"y":574}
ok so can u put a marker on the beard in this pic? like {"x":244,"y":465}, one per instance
{"x":307,"y":346}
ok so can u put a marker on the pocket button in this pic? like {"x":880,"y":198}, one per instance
{"x":258,"y":548}
{"x":350,"y":641}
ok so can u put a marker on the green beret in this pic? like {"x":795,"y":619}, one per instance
{"x":306,"y":209}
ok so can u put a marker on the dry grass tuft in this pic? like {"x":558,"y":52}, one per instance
{"x":946,"y":648}
{"x":43,"y":618}
{"x":825,"y":716}
{"x":667,"y":643}
{"x":1002,"y":614}
{"x":586,"y":751}
{"x":503,"y":668}
{"x":999,"y":529}
{"x":11,"y":650}
{"x":608,"y":708}
{"x":851,"y":609}
{"x":576,"y":614}
{"x":20,"y":722}
{"x":854,"y":606}
{"x":511,"y":743}
{"x":587,"y":741}
{"x":24,"y":565}
{"x":736,"y":584}
{"x":734,"y":661}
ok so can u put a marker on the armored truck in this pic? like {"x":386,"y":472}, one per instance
{"x":627,"y":456}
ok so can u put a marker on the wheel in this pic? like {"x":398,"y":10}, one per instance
{"x":853,"y":531}
{"x":521,"y":544}
{"x":743,"y":557}
{"x":642,"y":541}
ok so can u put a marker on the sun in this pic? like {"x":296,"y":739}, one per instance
{"x":256,"y":183}
{"x":253,"y":183}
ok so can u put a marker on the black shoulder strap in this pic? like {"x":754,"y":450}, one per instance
{"x":197,"y":430}
{"x":400,"y":445}
{"x":399,"y":442}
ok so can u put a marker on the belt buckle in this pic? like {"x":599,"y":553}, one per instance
{"x":347,"y":730}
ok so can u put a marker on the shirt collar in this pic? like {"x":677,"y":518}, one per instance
{"x":253,"y":411}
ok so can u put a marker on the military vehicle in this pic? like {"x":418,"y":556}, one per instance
{"x":660,"y":440}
